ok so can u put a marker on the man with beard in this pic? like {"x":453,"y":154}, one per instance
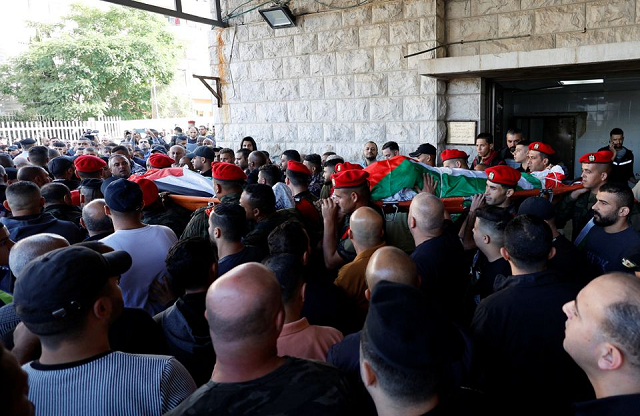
{"x":513,"y":137}
{"x":328,"y":169}
{"x":623,"y":162}
{"x":609,"y":238}
{"x":119,"y":166}
{"x":370,"y":153}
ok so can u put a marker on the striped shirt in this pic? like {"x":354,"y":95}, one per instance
{"x":112,"y":383}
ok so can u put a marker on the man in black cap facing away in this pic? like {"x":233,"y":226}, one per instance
{"x":22,"y":159}
{"x":69,"y":298}
{"x":64,"y":171}
{"x":425,"y":153}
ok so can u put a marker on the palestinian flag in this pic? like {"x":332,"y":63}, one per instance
{"x":180,"y":181}
{"x":387,"y":177}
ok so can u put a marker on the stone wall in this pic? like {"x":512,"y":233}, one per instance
{"x":336,"y":80}
{"x":551,"y":24}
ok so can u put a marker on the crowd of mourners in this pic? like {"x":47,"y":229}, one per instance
{"x":296,"y":293}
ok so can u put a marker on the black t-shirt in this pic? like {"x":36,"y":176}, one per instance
{"x":246,"y":255}
{"x":484,"y":275}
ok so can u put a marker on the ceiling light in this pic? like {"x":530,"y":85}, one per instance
{"x":278,"y":17}
{"x":582,"y":81}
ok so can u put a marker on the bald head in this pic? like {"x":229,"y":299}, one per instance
{"x":94,"y":219}
{"x":243,"y":308}
{"x":428,"y":212}
{"x":391,"y":264}
{"x":366,"y":227}
{"x":31,"y":247}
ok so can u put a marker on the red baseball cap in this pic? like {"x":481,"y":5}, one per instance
{"x":603,"y":156}
{"x":160,"y":160}
{"x":349,"y":178}
{"x":298,"y":167}
{"x":227,"y":172}
{"x":542,"y":147}
{"x":503,"y":175}
{"x":89,"y":163}
{"x":453,"y":154}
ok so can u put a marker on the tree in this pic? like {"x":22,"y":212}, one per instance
{"x":93,"y":63}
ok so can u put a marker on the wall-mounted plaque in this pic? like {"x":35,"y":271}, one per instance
{"x":461,"y":132}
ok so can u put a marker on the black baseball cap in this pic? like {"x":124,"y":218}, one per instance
{"x":206,"y":152}
{"x":59,"y":164}
{"x":27,"y":141}
{"x":425,"y":148}
{"x":64,"y":282}
{"x":123,"y":196}
{"x":106,"y":182}
{"x":538,"y":207}
{"x":159,"y":148}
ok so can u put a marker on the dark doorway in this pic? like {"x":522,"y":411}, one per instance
{"x":558,"y":131}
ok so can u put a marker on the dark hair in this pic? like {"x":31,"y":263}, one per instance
{"x":523,"y":142}
{"x":249,"y":139}
{"x":494,"y":219}
{"x":289,"y":271}
{"x":22,"y":194}
{"x":38,"y":155}
{"x":120,"y":148}
{"x":189,"y":262}
{"x":292,"y":155}
{"x":331,"y":163}
{"x":261,"y":197}
{"x":314,"y":159}
{"x":408,"y":387}
{"x":245,"y":152}
{"x":328,"y":153}
{"x":271,"y":173}
{"x":528,"y":240}
{"x":288,"y":237}
{"x":178,"y":129}
{"x":298,"y":178}
{"x":622,"y":192}
{"x":6,"y":161}
{"x":390,"y":145}
{"x":616,"y":131}
{"x":514,"y":131}
{"x":54,"y":192}
{"x":230,"y":218}
{"x":488,"y":137}
{"x":227,"y":150}
{"x":30,"y":173}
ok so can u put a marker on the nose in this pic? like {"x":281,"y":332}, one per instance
{"x":566,"y":308}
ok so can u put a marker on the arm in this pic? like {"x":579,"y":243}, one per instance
{"x":466,"y":230}
{"x":332,"y":259}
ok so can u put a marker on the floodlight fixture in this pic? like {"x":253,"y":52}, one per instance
{"x":582,"y":81}
{"x":278,"y":17}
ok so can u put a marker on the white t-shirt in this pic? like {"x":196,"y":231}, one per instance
{"x":148,"y":247}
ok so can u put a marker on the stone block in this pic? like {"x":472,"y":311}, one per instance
{"x":402,"y":83}
{"x":458,"y":9}
{"x":385,"y":109}
{"x":259,"y":31}
{"x":627,"y":34}
{"x":538,"y":4}
{"x":273,"y":48}
{"x":386,"y":11}
{"x":286,"y":132}
{"x":515,"y":24}
{"x":299,"y":111}
{"x":370,"y":85}
{"x":482,"y":7}
{"x":338,"y":40}
{"x":429,"y":85}
{"x":240,"y":71}
{"x":468,"y":49}
{"x":252,"y":91}
{"x":419,"y":8}
{"x":338,"y":132}
{"x":300,"y":8}
{"x":429,"y":132}
{"x":323,"y":64}
{"x":373,"y":35}
{"x":531,"y":43}
{"x":354,"y":61}
{"x":591,"y":37}
{"x":233,"y":133}
{"x":305,"y":44}
{"x":243,"y":113}
{"x":403,"y":132}
{"x":251,"y":51}
{"x":295,"y":66}
{"x":419,"y":108}
{"x":266,"y":69}
{"x":389,"y":58}
{"x":464,"y":86}
{"x":414,"y":61}
{"x":271,"y":112}
{"x":463,"y":107}
{"x":610,"y":13}
{"x":474,"y":28}
{"x":323,"y":110}
{"x":560,"y":19}
{"x":322,"y":21}
{"x":282,"y":89}
{"x":338,"y":87}
{"x":428,"y":28}
{"x":353,"y":110}
{"x":358,"y":16}
{"x":311,"y":132}
{"x":263,"y":133}
{"x":405,"y":31}
{"x":369,"y":131}
{"x":311,"y":88}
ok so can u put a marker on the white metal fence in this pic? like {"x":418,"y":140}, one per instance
{"x":41,"y":128}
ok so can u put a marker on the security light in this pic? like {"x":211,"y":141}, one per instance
{"x":582,"y":81}
{"x":278,"y":17}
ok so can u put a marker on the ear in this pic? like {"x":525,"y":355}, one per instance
{"x":67,"y":199}
{"x":42,"y":202}
{"x":510,"y":192}
{"x":552,"y":253}
{"x":287,"y":181}
{"x":107,"y":210}
{"x":610,"y":357}
{"x":412,"y":222}
{"x":604,"y":176}
{"x":350,"y":234}
{"x":280,"y":320}
{"x":367,"y":294}
{"x":354,"y":196}
{"x":624,"y":212}
{"x":82,"y":223}
{"x":102,"y":308}
{"x":367,"y":374}
{"x":305,"y":258}
{"x":303,"y":291}
{"x":504,"y":253}
{"x":486,"y":239}
{"x":256,"y":212}
{"x":217,"y":232}
{"x":213,"y":272}
{"x":6,"y":206}
{"x":546,"y":161}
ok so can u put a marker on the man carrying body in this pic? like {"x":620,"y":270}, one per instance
{"x":454,"y":159}
{"x":390,"y":149}
{"x":204,"y":156}
{"x":540,"y":166}
{"x":425,"y":153}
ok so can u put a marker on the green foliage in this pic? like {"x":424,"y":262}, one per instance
{"x":93,"y":63}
